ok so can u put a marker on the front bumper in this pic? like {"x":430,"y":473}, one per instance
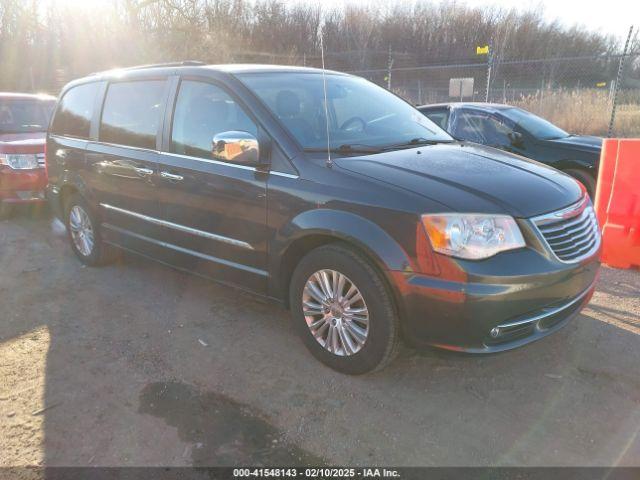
{"x":501,"y":303}
{"x":22,"y":186}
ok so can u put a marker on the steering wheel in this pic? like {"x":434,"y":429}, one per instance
{"x":351,"y":125}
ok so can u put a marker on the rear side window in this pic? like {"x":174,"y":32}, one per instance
{"x":132,"y":113}
{"x":75,"y":110}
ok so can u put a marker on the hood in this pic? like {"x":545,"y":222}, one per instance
{"x":579,"y":142}
{"x":31,"y":138}
{"x":471,"y":178}
{"x":32,"y":142}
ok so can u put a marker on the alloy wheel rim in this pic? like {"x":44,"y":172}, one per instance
{"x":81,"y":230}
{"x":335,"y":312}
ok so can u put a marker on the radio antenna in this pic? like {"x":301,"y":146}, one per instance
{"x":326,"y":105}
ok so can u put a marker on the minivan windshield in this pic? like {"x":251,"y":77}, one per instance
{"x":536,"y":126}
{"x":25,"y":115}
{"x":363,"y":117}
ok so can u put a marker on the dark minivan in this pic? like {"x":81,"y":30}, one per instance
{"x":328,"y":194}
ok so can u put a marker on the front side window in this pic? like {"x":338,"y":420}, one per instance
{"x":359,"y":112}
{"x":203,"y":111}
{"x":481,"y":127}
{"x":74,"y":113}
{"x":536,"y":126}
{"x":132,"y":113}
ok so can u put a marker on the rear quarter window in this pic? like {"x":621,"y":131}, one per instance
{"x":75,"y":110}
{"x":132,"y":113}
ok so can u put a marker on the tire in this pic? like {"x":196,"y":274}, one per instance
{"x":353,"y":355}
{"x":5,"y":211}
{"x":79,"y":220}
{"x":586,"y":179}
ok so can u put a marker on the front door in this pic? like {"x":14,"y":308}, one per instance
{"x":215,"y":211}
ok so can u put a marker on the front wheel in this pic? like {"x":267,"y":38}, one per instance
{"x":84,"y":234}
{"x":343,"y":311}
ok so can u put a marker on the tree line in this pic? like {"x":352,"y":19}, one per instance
{"x":44,"y":44}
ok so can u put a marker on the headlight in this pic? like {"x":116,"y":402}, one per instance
{"x":472,"y":236}
{"x":19,"y":161}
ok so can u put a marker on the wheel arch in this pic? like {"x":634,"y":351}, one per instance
{"x":315,"y":228}
{"x":66,"y":191}
{"x":70,"y":185}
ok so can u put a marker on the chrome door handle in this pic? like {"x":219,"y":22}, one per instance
{"x":171,"y":176}
{"x":144,"y":171}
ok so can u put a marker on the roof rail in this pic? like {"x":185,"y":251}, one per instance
{"x":184,"y":63}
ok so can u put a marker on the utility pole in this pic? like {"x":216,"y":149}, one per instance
{"x":389,"y":66}
{"x":617,"y":84}
{"x":489,"y":66}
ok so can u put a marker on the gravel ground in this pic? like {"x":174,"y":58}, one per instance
{"x":137,"y":364}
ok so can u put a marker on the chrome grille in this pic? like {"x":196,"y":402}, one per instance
{"x":572,"y":233}
{"x":40,"y":157}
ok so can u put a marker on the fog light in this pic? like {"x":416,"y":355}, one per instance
{"x":494,"y":332}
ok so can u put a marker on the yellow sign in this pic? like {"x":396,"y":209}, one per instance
{"x":482,"y":50}
{"x":601,"y":84}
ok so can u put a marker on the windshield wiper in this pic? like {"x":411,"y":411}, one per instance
{"x":414,"y":142}
{"x":348,"y":148}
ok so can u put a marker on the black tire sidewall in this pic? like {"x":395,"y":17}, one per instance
{"x":382,"y":325}
{"x":96,"y":254}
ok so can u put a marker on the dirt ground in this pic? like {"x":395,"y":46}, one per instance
{"x":137,"y":364}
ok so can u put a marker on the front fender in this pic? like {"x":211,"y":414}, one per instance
{"x":360,"y":232}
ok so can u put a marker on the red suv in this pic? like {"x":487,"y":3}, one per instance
{"x":24,"y":120}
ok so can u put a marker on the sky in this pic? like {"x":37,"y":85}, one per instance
{"x":608,"y":16}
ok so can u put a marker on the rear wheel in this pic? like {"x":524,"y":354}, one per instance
{"x":586,"y":179}
{"x":343,"y":311}
{"x":84,"y":233}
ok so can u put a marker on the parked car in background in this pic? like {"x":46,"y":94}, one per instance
{"x":326,"y":193}
{"x":518,"y":131}
{"x":24,"y":119}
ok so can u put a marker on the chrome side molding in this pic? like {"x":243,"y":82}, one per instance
{"x":181,"y":228}
{"x":177,"y":248}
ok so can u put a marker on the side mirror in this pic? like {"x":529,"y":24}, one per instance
{"x":237,"y":147}
{"x":516,"y":138}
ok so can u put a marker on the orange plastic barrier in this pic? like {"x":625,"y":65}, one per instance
{"x":618,"y":202}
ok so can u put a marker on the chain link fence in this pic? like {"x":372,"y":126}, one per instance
{"x":576,"y":93}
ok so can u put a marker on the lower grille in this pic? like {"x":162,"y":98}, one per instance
{"x":572,"y":234}
{"x":538,"y":321}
